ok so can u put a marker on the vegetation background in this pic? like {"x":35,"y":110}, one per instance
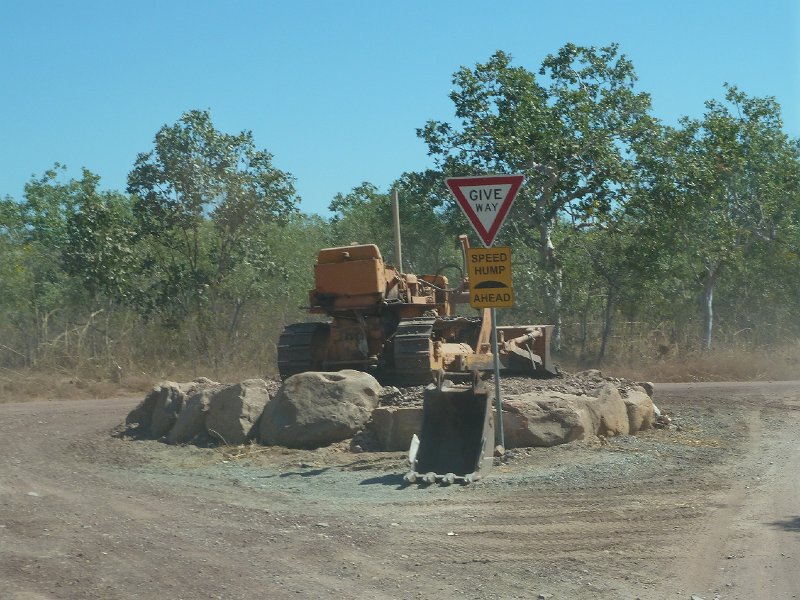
{"x":660,"y":252}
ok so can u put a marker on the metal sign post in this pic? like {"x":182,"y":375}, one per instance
{"x":486,"y":201}
{"x":490,"y":286}
{"x":500,"y":433}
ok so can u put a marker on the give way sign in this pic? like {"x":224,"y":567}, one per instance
{"x":486,"y":201}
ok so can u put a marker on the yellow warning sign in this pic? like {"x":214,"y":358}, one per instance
{"x":489,"y":272}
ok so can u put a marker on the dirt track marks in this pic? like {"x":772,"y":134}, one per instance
{"x":117,"y":519}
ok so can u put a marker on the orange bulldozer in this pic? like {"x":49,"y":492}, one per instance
{"x":404,"y":329}
{"x":401,"y":327}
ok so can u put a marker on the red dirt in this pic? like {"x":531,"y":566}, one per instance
{"x":707,"y":508}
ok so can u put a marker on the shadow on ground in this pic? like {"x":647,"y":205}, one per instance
{"x":791,"y":524}
{"x":309,"y":473}
{"x":393,"y":479}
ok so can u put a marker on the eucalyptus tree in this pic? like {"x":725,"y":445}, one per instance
{"x":99,"y":247}
{"x":430,"y":224}
{"x":570,"y":131}
{"x":14,"y":282}
{"x":202,"y":198}
{"x":429,"y":243}
{"x":58,"y":256}
{"x":362,"y":216}
{"x":724,"y":185}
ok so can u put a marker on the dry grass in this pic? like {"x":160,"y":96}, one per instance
{"x":34,"y":385}
{"x":27,"y":385}
{"x":783,"y":364}
{"x":729,"y":365}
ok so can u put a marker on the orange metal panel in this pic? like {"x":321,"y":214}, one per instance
{"x":345,"y":253}
{"x":363,"y":302}
{"x":351,"y":278}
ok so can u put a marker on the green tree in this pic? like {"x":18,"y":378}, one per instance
{"x":14,"y":281}
{"x":621,"y":264}
{"x":571,"y":134}
{"x":202,"y":198}
{"x":429,"y":244}
{"x":99,"y":247}
{"x":42,"y":301}
{"x":430,"y":224}
{"x":724,"y":186}
{"x":363,"y":216}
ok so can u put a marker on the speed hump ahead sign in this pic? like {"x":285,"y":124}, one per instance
{"x":489,"y":271}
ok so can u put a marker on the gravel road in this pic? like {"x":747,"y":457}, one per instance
{"x":710,"y":507}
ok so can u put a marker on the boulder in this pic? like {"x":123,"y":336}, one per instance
{"x":191,"y":421}
{"x":640,"y":408}
{"x":169,"y":402}
{"x":197,"y":385}
{"x":394,"y":426}
{"x":234,"y":411}
{"x":544,"y":419}
{"x":315,"y":409}
{"x":548,"y":418}
{"x":158,"y":412}
{"x":607,"y":411}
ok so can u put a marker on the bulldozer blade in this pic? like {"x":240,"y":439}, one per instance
{"x":456,"y":440}
{"x":525,"y":350}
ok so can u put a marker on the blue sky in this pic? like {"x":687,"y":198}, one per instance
{"x":336,"y":90}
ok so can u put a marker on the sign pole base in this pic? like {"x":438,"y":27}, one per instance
{"x":500,"y":433}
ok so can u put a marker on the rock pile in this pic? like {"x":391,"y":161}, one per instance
{"x":311,"y":410}
{"x":551,"y":418}
{"x":185,"y":412}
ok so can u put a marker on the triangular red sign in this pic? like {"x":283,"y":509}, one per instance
{"x":486,"y":201}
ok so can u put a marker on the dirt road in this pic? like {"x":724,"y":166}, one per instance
{"x":710,"y":508}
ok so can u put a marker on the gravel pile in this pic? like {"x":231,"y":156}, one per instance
{"x":583,"y":383}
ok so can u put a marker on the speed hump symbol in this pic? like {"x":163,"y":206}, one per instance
{"x":489,"y":271}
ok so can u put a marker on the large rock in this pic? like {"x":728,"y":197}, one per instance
{"x":159,"y":411}
{"x":169,"y":402}
{"x":640,"y":408}
{"x":234,"y":411}
{"x":544,"y":419}
{"x":317,"y":409}
{"x":156,"y":414}
{"x":191,"y":421}
{"x":394,"y":426}
{"x":607,"y":411}
{"x":548,"y":418}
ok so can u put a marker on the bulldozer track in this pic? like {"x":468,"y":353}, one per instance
{"x":297,"y":349}
{"x":412,"y":342}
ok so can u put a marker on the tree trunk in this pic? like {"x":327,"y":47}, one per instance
{"x":552,"y":292}
{"x":608,"y":318}
{"x":584,"y":330}
{"x":708,"y":306}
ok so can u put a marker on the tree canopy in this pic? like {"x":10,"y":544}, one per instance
{"x":571,"y":132}
{"x":633,"y":237}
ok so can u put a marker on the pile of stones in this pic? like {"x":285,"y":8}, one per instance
{"x":316,"y":409}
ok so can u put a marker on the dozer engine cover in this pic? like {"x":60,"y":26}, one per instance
{"x":349,"y":277}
